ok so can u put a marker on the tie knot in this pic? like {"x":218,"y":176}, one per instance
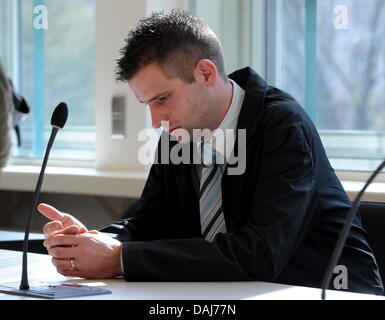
{"x":208,"y":155}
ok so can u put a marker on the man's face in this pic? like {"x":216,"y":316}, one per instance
{"x":183,"y":105}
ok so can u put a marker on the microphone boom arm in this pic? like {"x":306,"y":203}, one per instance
{"x":24,"y":285}
{"x":345,"y":231}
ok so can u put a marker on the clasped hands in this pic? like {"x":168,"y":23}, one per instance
{"x":76,"y":251}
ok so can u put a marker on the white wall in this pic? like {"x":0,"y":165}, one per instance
{"x":113,"y":20}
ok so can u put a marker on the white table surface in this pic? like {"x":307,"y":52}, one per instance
{"x":41,"y":271}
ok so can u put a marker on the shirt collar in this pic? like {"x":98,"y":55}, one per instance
{"x":226,"y":130}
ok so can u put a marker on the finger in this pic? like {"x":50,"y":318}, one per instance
{"x":52,"y":227}
{"x":61,"y":240}
{"x":55,"y":215}
{"x":64,"y":267}
{"x":73,"y":229}
{"x":82,"y":229}
{"x":50,"y":212}
{"x":64,"y":253}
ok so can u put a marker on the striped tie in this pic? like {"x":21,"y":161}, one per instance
{"x":211,"y":212}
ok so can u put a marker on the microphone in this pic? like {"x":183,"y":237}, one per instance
{"x":345,"y":231}
{"x":58,"y":120}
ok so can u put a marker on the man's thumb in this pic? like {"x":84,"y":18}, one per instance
{"x":74,"y":229}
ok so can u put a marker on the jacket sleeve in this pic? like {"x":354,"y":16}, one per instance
{"x":281,"y":191}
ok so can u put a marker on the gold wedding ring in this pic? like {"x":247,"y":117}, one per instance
{"x":73,"y":265}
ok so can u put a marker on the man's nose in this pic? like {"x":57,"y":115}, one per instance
{"x":157,"y":117}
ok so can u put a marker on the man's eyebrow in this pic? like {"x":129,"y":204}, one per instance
{"x":155,"y":97}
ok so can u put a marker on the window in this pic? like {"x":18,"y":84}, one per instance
{"x":329,"y":54}
{"x":49,"y":53}
{"x":239,"y":24}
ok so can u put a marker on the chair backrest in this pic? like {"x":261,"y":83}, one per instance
{"x":373,"y":220}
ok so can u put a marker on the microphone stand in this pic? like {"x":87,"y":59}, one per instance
{"x":24,"y":285}
{"x":344,"y":233}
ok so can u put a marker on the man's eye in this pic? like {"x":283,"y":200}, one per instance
{"x":162,"y":99}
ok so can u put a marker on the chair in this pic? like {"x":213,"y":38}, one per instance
{"x":373,"y":220}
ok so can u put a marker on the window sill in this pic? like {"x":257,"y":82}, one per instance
{"x":86,"y":181}
{"x":375,"y":192}
{"x":89,"y":181}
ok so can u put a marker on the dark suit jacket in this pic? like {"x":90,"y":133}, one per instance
{"x":283,"y":214}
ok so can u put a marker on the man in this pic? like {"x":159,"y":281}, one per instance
{"x":277,"y":221}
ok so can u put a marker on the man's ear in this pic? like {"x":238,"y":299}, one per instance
{"x":206,"y":72}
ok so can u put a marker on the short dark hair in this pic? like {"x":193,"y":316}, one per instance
{"x":175,"y":41}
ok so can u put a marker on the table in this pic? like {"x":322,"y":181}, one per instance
{"x":41,"y":270}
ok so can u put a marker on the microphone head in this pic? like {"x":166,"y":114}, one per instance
{"x":59,"y":116}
